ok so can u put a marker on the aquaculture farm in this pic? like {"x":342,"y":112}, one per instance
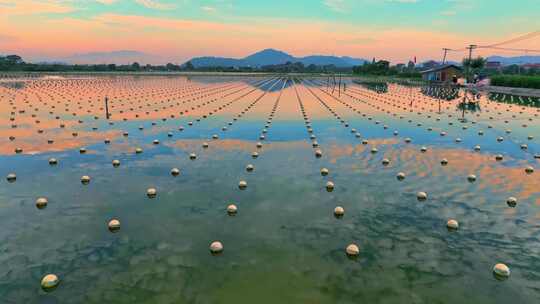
{"x":265,"y":189}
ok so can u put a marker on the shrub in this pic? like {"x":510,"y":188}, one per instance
{"x":516,"y":81}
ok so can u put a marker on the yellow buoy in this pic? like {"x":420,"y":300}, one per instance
{"x":501,"y":270}
{"x":339,"y":211}
{"x":49,"y":282}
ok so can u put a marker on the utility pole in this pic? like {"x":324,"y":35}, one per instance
{"x":471,"y":48}
{"x":445,"y":52}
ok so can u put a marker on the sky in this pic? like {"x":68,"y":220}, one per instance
{"x":177,"y":30}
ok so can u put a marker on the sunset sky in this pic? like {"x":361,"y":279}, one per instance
{"x":177,"y":30}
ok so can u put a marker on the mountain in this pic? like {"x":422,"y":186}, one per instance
{"x":273,"y":57}
{"x":116,"y":57}
{"x":515,"y":60}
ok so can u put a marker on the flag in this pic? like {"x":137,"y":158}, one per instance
{"x":415,"y":59}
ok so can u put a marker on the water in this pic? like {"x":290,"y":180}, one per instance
{"x":284,"y":245}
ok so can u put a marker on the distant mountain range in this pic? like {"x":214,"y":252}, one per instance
{"x":116,"y":57}
{"x":515,"y":60}
{"x":273,"y":57}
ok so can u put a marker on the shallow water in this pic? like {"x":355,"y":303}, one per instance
{"x":284,"y":245}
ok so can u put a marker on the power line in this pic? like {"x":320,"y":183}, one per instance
{"x":510,"y":49}
{"x":517,"y":39}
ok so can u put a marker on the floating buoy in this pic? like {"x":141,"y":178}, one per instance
{"x":529,"y":169}
{"x":408,"y":140}
{"x":114,"y":225}
{"x":138,"y":150}
{"x":11,"y":177}
{"x":151,"y":192}
{"x":452,"y":224}
{"x":318,"y":153}
{"x":49,"y":282}
{"x":216,"y":247}
{"x":255,"y":154}
{"x":242,"y":185}
{"x":155,"y":142}
{"x":175,"y":171}
{"x":324,"y":172}
{"x":53,"y":161}
{"x":421,"y":196}
{"x":400,"y":176}
{"x":192,"y":156}
{"x":232,"y":209}
{"x":501,"y":270}
{"x":471,"y":178}
{"x":500,"y":138}
{"x":116,"y":163}
{"x":511,"y":201}
{"x":498,"y":157}
{"x":215,"y":136}
{"x":477,"y":148}
{"x":85,"y":179}
{"x":352,"y":250}
{"x":205,"y":145}
{"x":423,"y":149}
{"x":82,"y":150}
{"x":329,"y":186}
{"x":385,"y":162}
{"x":249,"y":168}
{"x":41,"y":202}
{"x":374,"y":150}
{"x":259,"y":145}
{"x":339,"y":211}
{"x":444,"y":161}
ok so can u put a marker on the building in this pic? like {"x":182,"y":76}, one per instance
{"x":442,"y":73}
{"x":496,"y":65}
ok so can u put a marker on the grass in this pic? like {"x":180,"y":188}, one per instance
{"x":516,"y":81}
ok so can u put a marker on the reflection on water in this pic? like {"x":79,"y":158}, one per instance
{"x":284,"y":245}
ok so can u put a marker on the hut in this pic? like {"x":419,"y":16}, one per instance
{"x":442,"y":73}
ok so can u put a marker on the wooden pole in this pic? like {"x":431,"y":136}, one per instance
{"x":107,"y":107}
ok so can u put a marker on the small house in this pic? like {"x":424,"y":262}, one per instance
{"x":442,"y":73}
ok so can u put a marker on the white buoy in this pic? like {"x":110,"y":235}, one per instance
{"x":138,"y":150}
{"x":329,"y":186}
{"x":318,"y":153}
{"x":11,"y":177}
{"x":205,"y":145}
{"x":49,"y":282}
{"x":255,"y":154}
{"x":352,"y":250}
{"x":175,"y":171}
{"x":477,"y":148}
{"x":192,"y":156}
{"x":41,"y":202}
{"x":452,"y":224}
{"x":151,"y":192}
{"x":85,"y":179}
{"x":155,"y":142}
{"x":53,"y":161}
{"x":529,"y":169}
{"x":501,"y":270}
{"x":400,"y":176}
{"x":216,"y":247}
{"x":232,"y":209}
{"x":511,"y":201}
{"x":82,"y":150}
{"x":421,"y":196}
{"x":385,"y":162}
{"x":249,"y":168}
{"x":242,"y":185}
{"x":259,"y":145}
{"x":116,"y":163}
{"x":444,"y":161}
{"x":498,"y":157}
{"x":423,"y":149}
{"x":339,"y":211}
{"x":324,"y":172}
{"x":114,"y":225}
{"x":471,"y":178}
